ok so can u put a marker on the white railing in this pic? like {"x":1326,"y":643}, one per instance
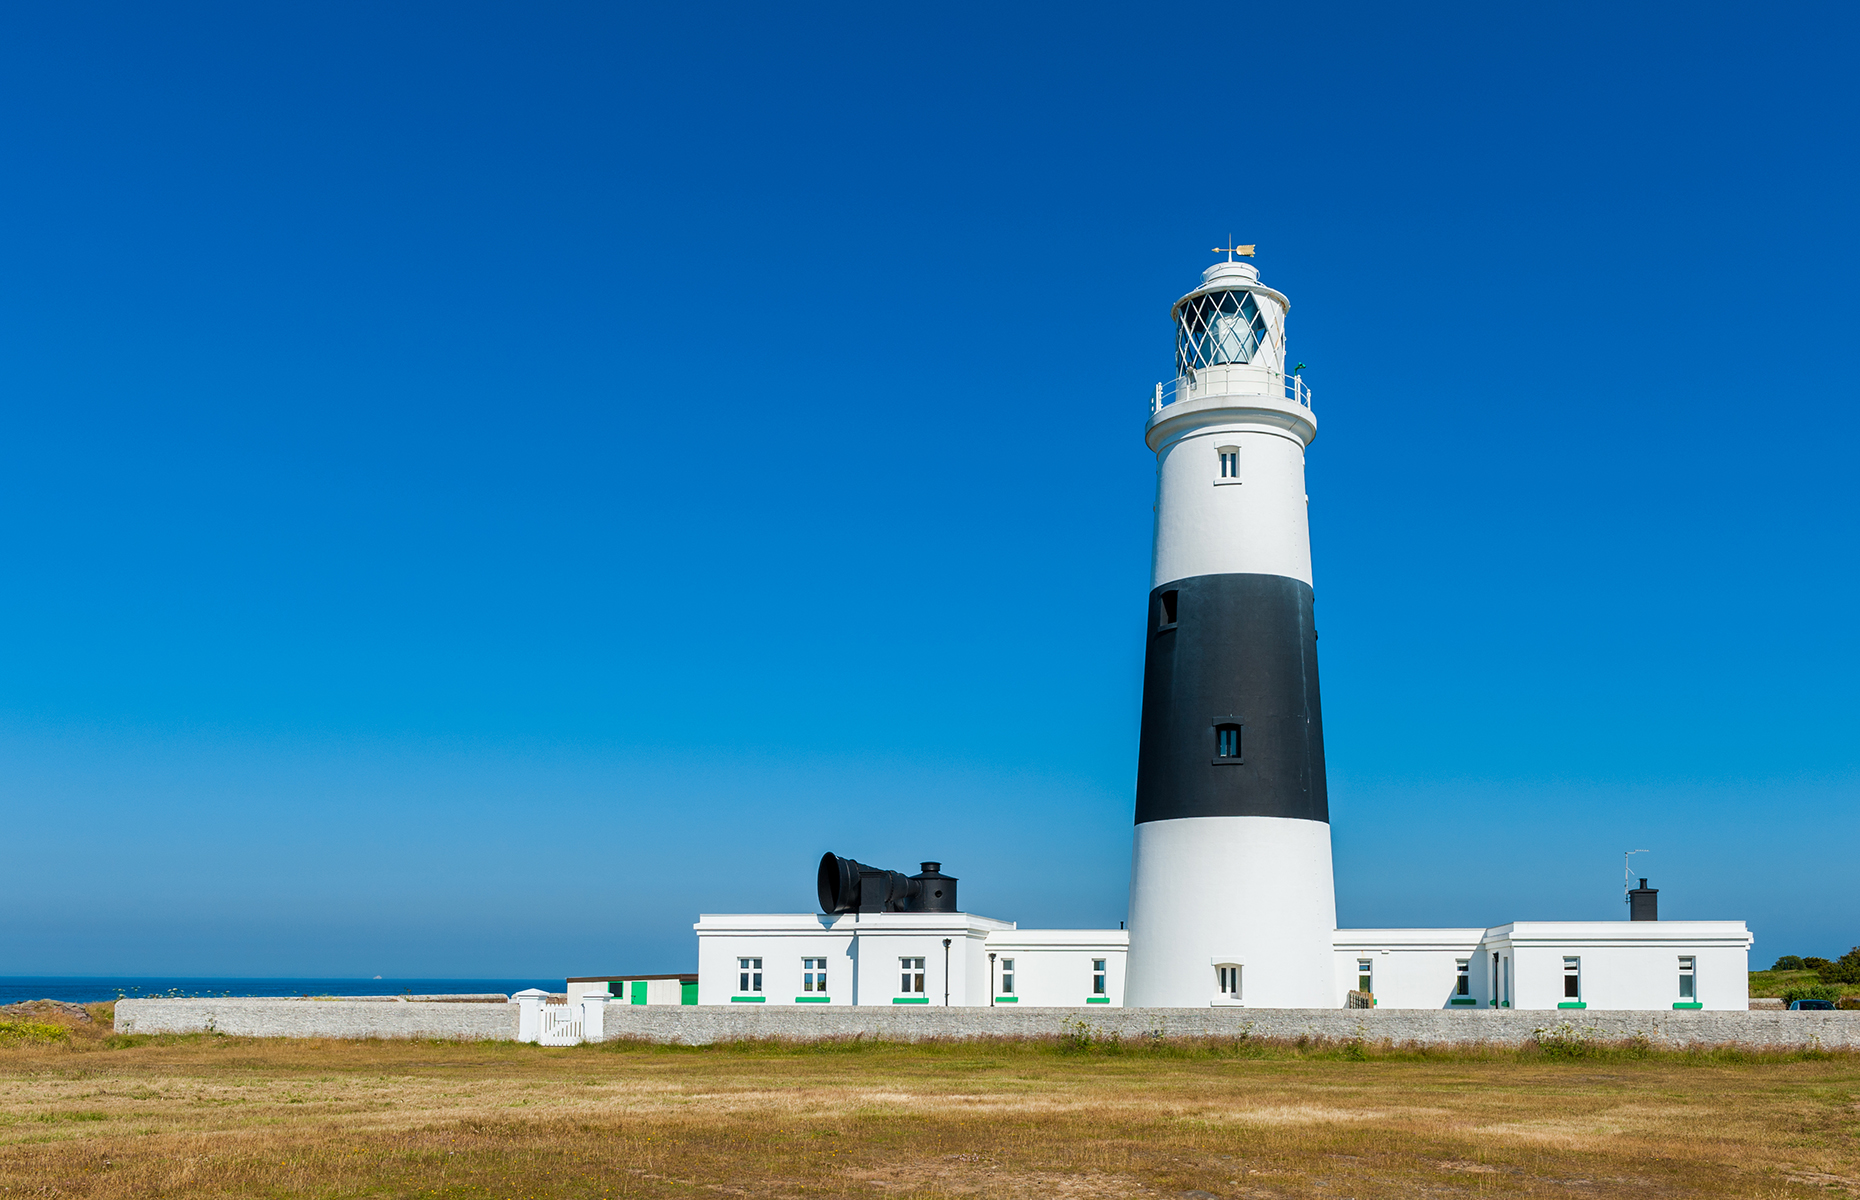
{"x":559,"y":1025}
{"x":1189,"y":387}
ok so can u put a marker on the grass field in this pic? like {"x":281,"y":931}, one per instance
{"x":85,"y":1113}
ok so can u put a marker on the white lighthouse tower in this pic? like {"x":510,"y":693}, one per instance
{"x":1231,"y":896}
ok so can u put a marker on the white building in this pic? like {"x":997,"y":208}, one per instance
{"x":1647,"y":964}
{"x":634,"y":989}
{"x":956,"y":959}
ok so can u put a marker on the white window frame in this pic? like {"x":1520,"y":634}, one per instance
{"x":1572,"y":969}
{"x":1462,"y":977}
{"x":1229,"y":983}
{"x":1689,"y":978}
{"x":1098,"y":976}
{"x":1366,"y":969}
{"x":911,"y":971}
{"x":1229,"y":468}
{"x":749,"y":977}
{"x":1007,"y":978}
{"x":814,"y":975}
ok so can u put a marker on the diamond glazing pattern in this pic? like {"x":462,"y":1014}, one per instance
{"x":1219,"y":327}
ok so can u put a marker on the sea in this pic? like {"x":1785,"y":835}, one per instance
{"x":87,"y":989}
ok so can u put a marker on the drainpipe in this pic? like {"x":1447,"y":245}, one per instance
{"x":945,"y":972}
{"x":991,"y":979}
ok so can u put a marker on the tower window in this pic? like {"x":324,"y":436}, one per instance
{"x":1227,"y":980}
{"x":1688,"y":978}
{"x":1165,"y":609}
{"x":1230,"y":464}
{"x":1226,"y":744}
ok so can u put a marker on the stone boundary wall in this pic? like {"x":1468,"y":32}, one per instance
{"x":694,"y":1026}
{"x":1433,"y":1027}
{"x":345,"y":1017}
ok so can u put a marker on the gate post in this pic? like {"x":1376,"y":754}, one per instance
{"x":593,"y":1010}
{"x":529,"y":1013}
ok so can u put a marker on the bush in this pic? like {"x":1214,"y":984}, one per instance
{"x":1789,"y":962}
{"x":1813,"y":991}
{"x":1812,"y":963}
{"x":1566,"y":1040}
{"x":1845,"y":969}
{"x":15,"y":1033}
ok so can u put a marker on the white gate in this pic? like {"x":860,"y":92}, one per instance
{"x":560,"y":1025}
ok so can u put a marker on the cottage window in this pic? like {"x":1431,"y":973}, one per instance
{"x":748,"y":976}
{"x":1688,"y":978}
{"x":1572,"y":978}
{"x":1097,"y":977}
{"x":911,"y":976}
{"x":1227,"y":980}
{"x":813,"y":974}
{"x":1007,"y":977}
{"x":1464,"y":986}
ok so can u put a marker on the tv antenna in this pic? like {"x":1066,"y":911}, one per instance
{"x":1627,"y":874}
{"x":1230,"y":249}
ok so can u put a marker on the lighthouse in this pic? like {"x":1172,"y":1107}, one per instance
{"x":1231,"y":895}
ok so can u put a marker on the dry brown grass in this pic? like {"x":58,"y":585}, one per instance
{"x":211,"y":1116}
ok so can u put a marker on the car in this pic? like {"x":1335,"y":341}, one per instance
{"x":1812,"y":1006}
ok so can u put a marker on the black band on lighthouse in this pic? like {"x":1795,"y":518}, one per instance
{"x":1231,"y":725}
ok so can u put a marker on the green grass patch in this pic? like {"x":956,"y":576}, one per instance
{"x":1782,"y":983}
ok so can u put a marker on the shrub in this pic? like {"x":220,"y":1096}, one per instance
{"x":1566,"y":1040}
{"x":17,"y":1033}
{"x":1812,"y":963}
{"x":1812,"y":991}
{"x":1789,"y":962}
{"x":1845,"y":969}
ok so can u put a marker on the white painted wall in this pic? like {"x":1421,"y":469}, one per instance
{"x":1410,"y":968}
{"x":1256,"y":891}
{"x":1053,"y":967}
{"x":1205,"y":526}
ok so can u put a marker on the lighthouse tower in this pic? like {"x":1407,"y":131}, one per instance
{"x":1231,"y":897}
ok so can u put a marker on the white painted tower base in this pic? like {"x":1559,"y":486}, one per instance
{"x":1232,"y":890}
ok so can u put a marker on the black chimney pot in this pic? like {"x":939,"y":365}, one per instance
{"x":1644,"y":903}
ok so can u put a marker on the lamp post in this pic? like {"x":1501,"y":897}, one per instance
{"x":945,"y":972}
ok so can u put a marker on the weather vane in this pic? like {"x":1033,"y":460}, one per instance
{"x":1230,"y":250}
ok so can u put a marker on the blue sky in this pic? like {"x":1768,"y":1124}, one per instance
{"x":479,"y":485}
